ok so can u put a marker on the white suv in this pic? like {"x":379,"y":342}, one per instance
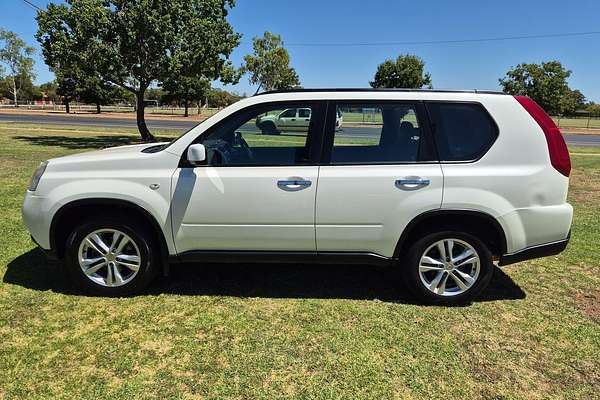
{"x":438,"y":184}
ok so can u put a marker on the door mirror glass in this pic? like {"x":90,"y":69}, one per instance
{"x":196,"y":154}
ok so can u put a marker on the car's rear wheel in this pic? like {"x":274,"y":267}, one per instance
{"x":447,"y":268}
{"x":268,"y":128}
{"x":111,"y":257}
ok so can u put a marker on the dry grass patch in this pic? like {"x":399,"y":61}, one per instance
{"x":589,"y":304}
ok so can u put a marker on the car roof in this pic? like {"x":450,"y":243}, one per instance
{"x":362,"y":90}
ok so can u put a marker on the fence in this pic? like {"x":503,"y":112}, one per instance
{"x":78,"y":107}
{"x":581,"y":120}
{"x":587,"y":121}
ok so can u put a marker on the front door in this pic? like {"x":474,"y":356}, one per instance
{"x":255,"y":192}
{"x":381,"y":174}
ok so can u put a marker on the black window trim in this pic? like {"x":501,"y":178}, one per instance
{"x":428,"y":151}
{"x":314,"y":137}
{"x":432,"y":128}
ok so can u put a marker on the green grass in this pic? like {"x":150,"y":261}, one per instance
{"x":577,"y":122}
{"x":265,"y":332}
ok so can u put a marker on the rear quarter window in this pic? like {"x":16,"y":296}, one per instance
{"x":462,"y":131}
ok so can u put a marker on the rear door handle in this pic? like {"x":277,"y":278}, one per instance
{"x":293,"y":184}
{"x":412,"y":183}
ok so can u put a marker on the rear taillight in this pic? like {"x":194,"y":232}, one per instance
{"x":559,"y":154}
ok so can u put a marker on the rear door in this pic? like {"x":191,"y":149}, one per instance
{"x":379,"y":173}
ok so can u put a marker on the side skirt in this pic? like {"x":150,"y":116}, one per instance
{"x":281,"y":257}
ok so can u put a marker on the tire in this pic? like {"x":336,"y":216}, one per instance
{"x":418,"y":274}
{"x":269,"y":128}
{"x":135,"y":240}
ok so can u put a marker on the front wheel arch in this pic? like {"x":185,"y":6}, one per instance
{"x":73,"y":213}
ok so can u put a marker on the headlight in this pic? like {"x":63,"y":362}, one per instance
{"x":37,"y":175}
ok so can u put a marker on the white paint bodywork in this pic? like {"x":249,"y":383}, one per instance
{"x":347,"y":208}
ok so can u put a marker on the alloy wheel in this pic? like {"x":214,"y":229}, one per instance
{"x":449,"y":267}
{"x":109,"y":257}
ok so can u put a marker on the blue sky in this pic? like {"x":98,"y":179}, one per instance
{"x":464,"y":65}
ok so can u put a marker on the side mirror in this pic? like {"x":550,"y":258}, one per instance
{"x":196,"y":154}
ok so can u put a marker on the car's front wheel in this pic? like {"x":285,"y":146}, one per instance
{"x":111,"y":257}
{"x":447,"y":268}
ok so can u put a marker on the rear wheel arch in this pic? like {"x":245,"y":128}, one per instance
{"x":74,"y":213}
{"x":477,"y":223}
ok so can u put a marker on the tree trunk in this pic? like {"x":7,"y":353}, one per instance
{"x":185,"y":104}
{"x":67,"y":106}
{"x":141,"y":122}
{"x":15,"y":91}
{"x":98,"y":110}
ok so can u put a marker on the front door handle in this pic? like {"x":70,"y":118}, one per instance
{"x":293,"y":184}
{"x":412,"y":183}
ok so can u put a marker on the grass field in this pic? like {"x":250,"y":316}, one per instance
{"x":577,"y":122}
{"x":266,"y":332}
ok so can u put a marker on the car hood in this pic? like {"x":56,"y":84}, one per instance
{"x":109,"y":154}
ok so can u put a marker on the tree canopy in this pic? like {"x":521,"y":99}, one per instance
{"x":136,"y":43}
{"x":407,"y":71}
{"x":269,"y":65}
{"x":546,"y":83}
{"x":16,"y":57}
{"x":187,"y":90}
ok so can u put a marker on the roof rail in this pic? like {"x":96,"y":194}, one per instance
{"x":379,"y":90}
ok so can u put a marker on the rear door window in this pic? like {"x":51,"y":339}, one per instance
{"x":373,"y":133}
{"x":462,"y":131}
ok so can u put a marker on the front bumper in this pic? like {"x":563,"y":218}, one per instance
{"x":529,"y":253}
{"x":36,"y":216}
{"x":48,"y":253}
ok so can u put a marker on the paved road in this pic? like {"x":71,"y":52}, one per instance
{"x":572,"y":139}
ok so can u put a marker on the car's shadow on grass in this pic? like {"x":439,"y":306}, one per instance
{"x":31,"y":270}
{"x":85,"y":142}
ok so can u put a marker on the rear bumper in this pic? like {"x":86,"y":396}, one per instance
{"x":542,"y":250}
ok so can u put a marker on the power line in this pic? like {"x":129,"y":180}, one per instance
{"x":422,"y":42}
{"x":425,"y":42}
{"x":30,"y":4}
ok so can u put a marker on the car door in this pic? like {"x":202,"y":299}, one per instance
{"x":378,"y":176}
{"x":255,"y":192}
{"x":287,"y":120}
{"x":302,"y":119}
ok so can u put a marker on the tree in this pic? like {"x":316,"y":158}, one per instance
{"x":27,"y":90}
{"x":219,"y":98}
{"x":185,"y":86}
{"x":572,"y":101}
{"x":16,"y":55}
{"x":407,"y":71}
{"x":67,"y":89}
{"x":594,"y":109}
{"x":546,"y":83}
{"x":49,"y":90}
{"x":186,"y":90}
{"x":92,"y":89}
{"x":136,"y":43}
{"x":269,"y":66}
